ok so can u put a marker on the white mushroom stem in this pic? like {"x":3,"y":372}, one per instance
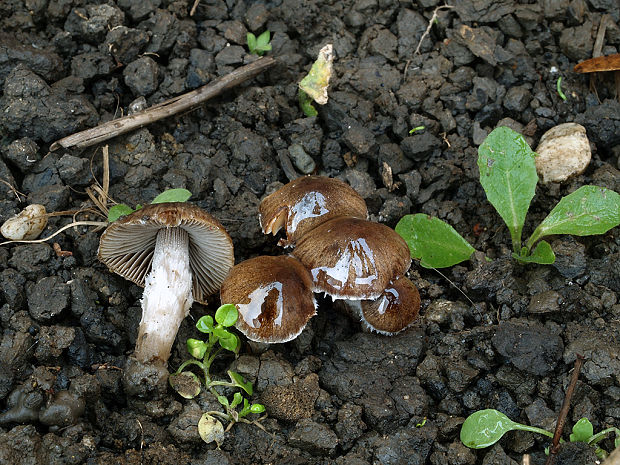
{"x":167,"y":296}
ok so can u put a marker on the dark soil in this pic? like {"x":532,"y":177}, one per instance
{"x":335,"y":394}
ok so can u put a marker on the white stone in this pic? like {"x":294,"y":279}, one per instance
{"x":563,"y":151}
{"x":26,"y":225}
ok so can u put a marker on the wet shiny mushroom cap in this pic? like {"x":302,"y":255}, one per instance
{"x":273,"y":295}
{"x":126,"y":247}
{"x":395,"y":309}
{"x":351,"y":258}
{"x":307,"y":202}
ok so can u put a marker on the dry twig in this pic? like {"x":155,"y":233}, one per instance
{"x":162,"y":110}
{"x":430,"y":25}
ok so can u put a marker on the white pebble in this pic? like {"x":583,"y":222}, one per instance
{"x":563,"y":151}
{"x":26,"y":225}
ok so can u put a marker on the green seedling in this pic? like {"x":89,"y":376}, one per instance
{"x":170,"y":195}
{"x":485,"y":427}
{"x":188,"y":385}
{"x":508,"y":177}
{"x":558,"y":86}
{"x":313,"y":87}
{"x":259,"y":45}
{"x":416,"y":129}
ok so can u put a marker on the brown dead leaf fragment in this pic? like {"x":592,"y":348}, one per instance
{"x":60,"y":252}
{"x":594,"y":65}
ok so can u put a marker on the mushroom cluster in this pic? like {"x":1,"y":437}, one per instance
{"x":336,"y":250}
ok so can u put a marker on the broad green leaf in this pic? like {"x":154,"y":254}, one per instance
{"x":196,"y":348}
{"x":230,"y":342}
{"x":542,"y":254}
{"x":227,"y":315}
{"x":186,"y":384}
{"x":508,"y":176}
{"x":316,"y":82}
{"x":262,"y":42}
{"x":238,"y":381}
{"x":205,"y":324}
{"x":119,"y":210}
{"x":210,"y":429}
{"x":173,"y":195}
{"x":484,"y":428}
{"x":223,"y":400}
{"x":433,"y":241}
{"x":582,"y":431}
{"x":587,"y":211}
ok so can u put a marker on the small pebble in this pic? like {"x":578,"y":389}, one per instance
{"x":26,"y":225}
{"x":563,"y":151}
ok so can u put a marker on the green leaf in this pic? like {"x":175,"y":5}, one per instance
{"x":238,"y":381}
{"x":173,"y":195}
{"x":262,"y":42}
{"x":227,"y":315}
{"x":119,"y":210}
{"x":237,"y":399}
{"x":433,"y":241}
{"x":542,"y":254}
{"x":223,"y":400}
{"x":508,"y":176}
{"x":257,"y":408}
{"x":484,"y":428}
{"x":587,"y":211}
{"x":205,"y":324}
{"x":221,"y":332}
{"x":251,"y":38}
{"x":210,"y":429}
{"x":186,"y":384}
{"x":305,"y":103}
{"x":196,"y":348}
{"x":582,"y":431}
{"x":230,"y":342}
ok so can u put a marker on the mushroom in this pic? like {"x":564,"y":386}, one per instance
{"x":394,"y":310}
{"x":273,"y":296}
{"x":179,"y":254}
{"x":351,"y":258}
{"x":307,"y":202}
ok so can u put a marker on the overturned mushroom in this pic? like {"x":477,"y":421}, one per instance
{"x":351,"y":258}
{"x":307,"y":202}
{"x":180,"y":254}
{"x":273,"y":296}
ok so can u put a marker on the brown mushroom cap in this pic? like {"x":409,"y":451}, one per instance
{"x":394,"y":310}
{"x":351,"y":258}
{"x":306,"y":202}
{"x":126,"y":247}
{"x":273,"y":295}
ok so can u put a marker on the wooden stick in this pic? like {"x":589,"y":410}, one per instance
{"x":162,"y":110}
{"x":555,"y":445}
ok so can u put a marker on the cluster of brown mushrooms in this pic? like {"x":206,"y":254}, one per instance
{"x":336,"y":251}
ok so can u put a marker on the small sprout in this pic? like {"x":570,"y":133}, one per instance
{"x":421,"y":424}
{"x":417,"y":128}
{"x":508,"y":177}
{"x":558,"y":86}
{"x":188,"y":384}
{"x":314,"y":85}
{"x":259,"y":45}
{"x":485,"y":427}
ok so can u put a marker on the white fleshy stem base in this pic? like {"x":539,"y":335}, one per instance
{"x":167,"y":296}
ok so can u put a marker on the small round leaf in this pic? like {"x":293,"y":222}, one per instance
{"x":196,"y":348}
{"x":257,"y":408}
{"x":230,"y":342}
{"x":205,"y":324}
{"x":227,"y":315}
{"x":484,"y":428}
{"x":210,"y":429}
{"x":186,"y":384}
